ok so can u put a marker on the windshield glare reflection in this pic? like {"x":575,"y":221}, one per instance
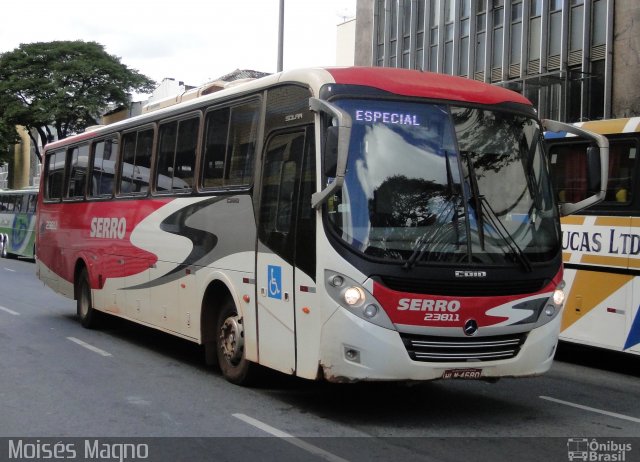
{"x":428,"y":182}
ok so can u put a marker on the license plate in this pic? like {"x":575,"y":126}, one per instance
{"x":462,"y":374}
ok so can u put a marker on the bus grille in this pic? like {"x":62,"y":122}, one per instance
{"x":464,"y":288}
{"x":462,"y":349}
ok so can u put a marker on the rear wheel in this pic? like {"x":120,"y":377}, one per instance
{"x":230,"y":347}
{"x":87,"y":316}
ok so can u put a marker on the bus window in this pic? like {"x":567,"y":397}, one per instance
{"x":166,"y":155}
{"x":136,"y":162}
{"x":217,"y":127}
{"x":176,"y":155}
{"x":78,"y":160}
{"x":102,"y":168}
{"x":229,"y":150}
{"x":569,"y":171}
{"x":8,"y":203}
{"x":622,"y":156}
{"x":54,"y":175}
{"x":242,"y":142}
{"x":31,"y":203}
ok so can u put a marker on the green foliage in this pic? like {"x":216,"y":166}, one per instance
{"x":8,"y":137}
{"x":63,"y":85}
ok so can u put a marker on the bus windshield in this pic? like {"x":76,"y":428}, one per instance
{"x":439,"y":183}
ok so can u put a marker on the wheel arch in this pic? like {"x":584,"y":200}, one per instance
{"x":218,"y":290}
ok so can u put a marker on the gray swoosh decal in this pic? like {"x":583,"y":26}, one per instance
{"x":203,"y":243}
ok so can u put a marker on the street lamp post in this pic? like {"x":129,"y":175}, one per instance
{"x":281,"y":36}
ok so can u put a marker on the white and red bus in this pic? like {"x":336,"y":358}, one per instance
{"x":341,"y":224}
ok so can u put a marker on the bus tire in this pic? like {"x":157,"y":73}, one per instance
{"x":3,"y":247}
{"x":234,"y":365}
{"x":88,"y":317}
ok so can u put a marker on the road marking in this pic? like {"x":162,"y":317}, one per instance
{"x":15,"y":313}
{"x":9,"y":269}
{"x":89,"y":347}
{"x":290,"y":438}
{"x":592,"y":409}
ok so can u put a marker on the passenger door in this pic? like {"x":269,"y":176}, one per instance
{"x":279,"y":218}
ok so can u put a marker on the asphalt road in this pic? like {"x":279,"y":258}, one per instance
{"x":95,"y":391}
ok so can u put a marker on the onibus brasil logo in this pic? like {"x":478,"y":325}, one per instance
{"x":590,"y":449}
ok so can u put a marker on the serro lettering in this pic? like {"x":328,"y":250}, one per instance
{"x":108,"y":228}
{"x":421,"y":304}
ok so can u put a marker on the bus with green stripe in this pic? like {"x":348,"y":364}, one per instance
{"x":17,"y":221}
{"x":601,"y":244}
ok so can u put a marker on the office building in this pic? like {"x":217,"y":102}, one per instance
{"x":574,"y":59}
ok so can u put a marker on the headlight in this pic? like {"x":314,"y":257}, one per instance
{"x":558,"y":296}
{"x":354,"y":296}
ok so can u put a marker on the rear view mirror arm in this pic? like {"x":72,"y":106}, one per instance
{"x":603,"y":145}
{"x":344,"y":135}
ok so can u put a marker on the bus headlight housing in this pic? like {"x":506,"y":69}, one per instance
{"x":354,"y":297}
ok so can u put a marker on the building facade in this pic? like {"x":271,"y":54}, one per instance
{"x":575,"y":60}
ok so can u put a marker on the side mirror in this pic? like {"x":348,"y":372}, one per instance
{"x":330,"y":151}
{"x":594,"y":169}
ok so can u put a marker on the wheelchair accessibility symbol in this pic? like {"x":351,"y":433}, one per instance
{"x":274,"y":277}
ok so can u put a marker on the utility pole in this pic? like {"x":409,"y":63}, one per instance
{"x":281,"y":36}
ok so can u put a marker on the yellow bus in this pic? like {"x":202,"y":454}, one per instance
{"x":601,"y":245}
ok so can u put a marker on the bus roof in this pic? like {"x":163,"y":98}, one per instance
{"x":602,"y":127}
{"x":426,"y":85}
{"x":402,"y":82}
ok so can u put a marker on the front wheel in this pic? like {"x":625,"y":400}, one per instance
{"x":235,"y":367}
{"x":88,"y":317}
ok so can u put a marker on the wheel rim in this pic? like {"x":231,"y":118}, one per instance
{"x":231,"y":340}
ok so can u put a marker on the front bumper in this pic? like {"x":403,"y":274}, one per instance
{"x":353,"y":349}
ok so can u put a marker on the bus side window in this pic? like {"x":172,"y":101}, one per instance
{"x":31,"y":204}
{"x":622,"y":156}
{"x":229,"y":148}
{"x":166,"y":156}
{"x":569,"y":170}
{"x":185,"y":156}
{"x":242,"y":142}
{"x":176,"y":155}
{"x":78,"y":160}
{"x":101,"y":176}
{"x":215,"y":148}
{"x":54,"y":175}
{"x":136,"y":162}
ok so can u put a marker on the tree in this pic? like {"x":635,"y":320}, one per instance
{"x":63,"y":86}
{"x":8,"y":137}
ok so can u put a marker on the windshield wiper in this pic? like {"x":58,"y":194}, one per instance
{"x":482,"y":206}
{"x":475,"y":192}
{"x":514,"y":248}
